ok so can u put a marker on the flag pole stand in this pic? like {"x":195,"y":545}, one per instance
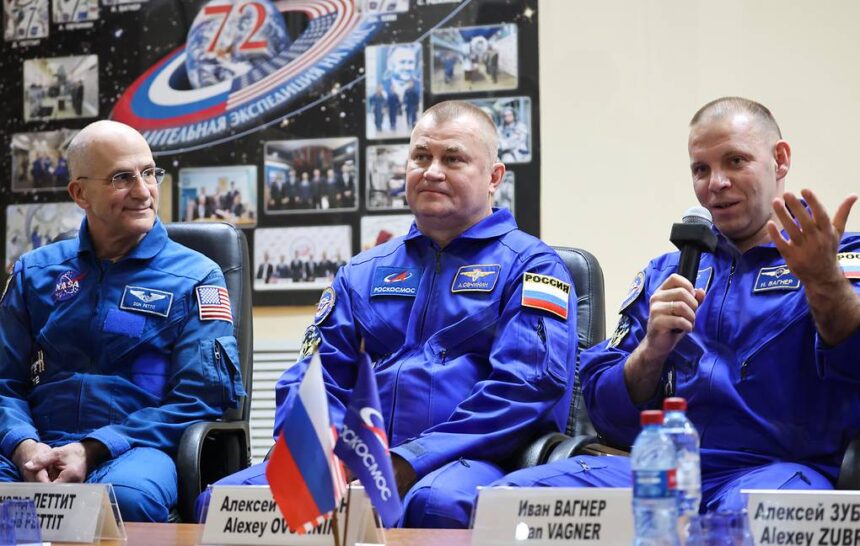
{"x":334,"y":527}
{"x":348,"y":504}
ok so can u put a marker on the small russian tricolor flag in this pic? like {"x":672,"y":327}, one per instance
{"x":850,"y":264}
{"x":304,"y":475}
{"x":547,"y":293}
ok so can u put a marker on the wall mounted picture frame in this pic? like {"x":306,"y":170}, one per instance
{"x":299,"y":258}
{"x":222,"y":193}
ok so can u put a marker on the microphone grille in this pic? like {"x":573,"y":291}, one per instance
{"x":698,"y":215}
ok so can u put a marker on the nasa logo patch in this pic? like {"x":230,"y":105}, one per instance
{"x":67,"y":285}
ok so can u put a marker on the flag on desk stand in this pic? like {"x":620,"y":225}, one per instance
{"x":363,"y":445}
{"x":305,"y":477}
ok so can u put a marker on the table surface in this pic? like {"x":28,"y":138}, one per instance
{"x":184,"y":534}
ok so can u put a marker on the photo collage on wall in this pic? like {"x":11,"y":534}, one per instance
{"x":289,"y":120}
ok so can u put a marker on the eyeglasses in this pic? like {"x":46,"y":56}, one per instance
{"x":126,"y":179}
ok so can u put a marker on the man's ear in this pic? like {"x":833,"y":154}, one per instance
{"x":497,"y":174}
{"x":782,"y":157}
{"x":78,"y":195}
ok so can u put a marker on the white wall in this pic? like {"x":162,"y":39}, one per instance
{"x":622,"y":79}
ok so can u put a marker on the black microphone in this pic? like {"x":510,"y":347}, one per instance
{"x":692,"y":237}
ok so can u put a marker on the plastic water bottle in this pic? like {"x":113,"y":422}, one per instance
{"x":686,"y":440}
{"x":655,"y":503}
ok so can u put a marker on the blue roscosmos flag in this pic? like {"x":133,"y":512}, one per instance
{"x":363,"y":445}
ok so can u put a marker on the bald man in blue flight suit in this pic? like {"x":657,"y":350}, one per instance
{"x":764,"y":346}
{"x":114,"y":342}
{"x":469,"y":322}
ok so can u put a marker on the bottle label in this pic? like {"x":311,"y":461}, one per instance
{"x":688,"y":471}
{"x":654,"y":484}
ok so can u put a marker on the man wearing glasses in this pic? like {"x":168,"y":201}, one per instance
{"x":111,"y":344}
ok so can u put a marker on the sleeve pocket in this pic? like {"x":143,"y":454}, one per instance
{"x":226,"y":358}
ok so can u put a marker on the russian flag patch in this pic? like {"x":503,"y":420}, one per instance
{"x":547,"y":293}
{"x":849,"y":262}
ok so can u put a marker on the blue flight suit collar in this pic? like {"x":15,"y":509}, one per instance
{"x":500,"y":222}
{"x":152,"y":243}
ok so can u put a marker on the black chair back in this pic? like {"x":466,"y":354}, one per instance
{"x":590,"y":323}
{"x":226,"y":245}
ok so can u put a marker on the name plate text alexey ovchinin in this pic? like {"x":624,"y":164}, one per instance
{"x":79,"y":512}
{"x":248,"y":515}
{"x":540,"y":516}
{"x":804,"y":518}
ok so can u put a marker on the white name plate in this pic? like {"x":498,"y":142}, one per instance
{"x":804,"y":518}
{"x":553,"y":515}
{"x":67,"y":512}
{"x":248,"y":514}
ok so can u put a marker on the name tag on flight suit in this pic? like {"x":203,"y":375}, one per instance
{"x":776,"y":278}
{"x":146,"y":300}
{"x":476,"y":278}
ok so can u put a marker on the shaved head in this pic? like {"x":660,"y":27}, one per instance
{"x":729,"y":106}
{"x":91,"y":137}
{"x":453,"y":109}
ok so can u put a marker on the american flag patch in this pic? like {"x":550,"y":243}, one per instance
{"x":214,"y":303}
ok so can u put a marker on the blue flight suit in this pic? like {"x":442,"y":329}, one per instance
{"x":774,"y":405}
{"x":117,"y":352}
{"x":467,"y":374}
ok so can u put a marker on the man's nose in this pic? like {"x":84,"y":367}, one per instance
{"x":434,"y":171}
{"x":718,"y":181}
{"x":140,"y":188}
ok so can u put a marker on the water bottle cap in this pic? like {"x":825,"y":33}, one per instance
{"x":651,"y":417}
{"x":674,"y":404}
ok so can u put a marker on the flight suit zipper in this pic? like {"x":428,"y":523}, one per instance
{"x":436,"y":271}
{"x":723,"y":303}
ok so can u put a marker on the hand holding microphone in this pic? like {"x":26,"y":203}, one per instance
{"x":673,"y":306}
{"x":692,"y":237}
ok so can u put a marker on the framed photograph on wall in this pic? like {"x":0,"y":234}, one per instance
{"x":315,"y":175}
{"x":39,"y":160}
{"x":75,"y":11}
{"x":25,"y":19}
{"x":513,"y":117}
{"x":228,"y":194}
{"x":504,"y":197}
{"x":165,"y":199}
{"x":61,"y":88}
{"x":376,"y":230}
{"x":32,"y":225}
{"x":394,"y":87}
{"x":386,"y":176}
{"x":299,"y":258}
{"x":386,"y":6}
{"x":474,"y":59}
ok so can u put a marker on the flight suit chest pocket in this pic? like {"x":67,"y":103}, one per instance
{"x":221,"y":359}
{"x":474,"y":333}
{"x":369,"y":315}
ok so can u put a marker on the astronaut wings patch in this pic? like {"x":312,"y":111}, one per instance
{"x":547,"y":293}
